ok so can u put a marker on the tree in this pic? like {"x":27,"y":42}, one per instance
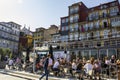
{"x":11,"y":56}
{"x":2,"y":54}
{"x":7,"y":52}
{"x":20,"y":49}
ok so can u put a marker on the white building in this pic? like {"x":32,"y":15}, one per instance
{"x":9,"y":35}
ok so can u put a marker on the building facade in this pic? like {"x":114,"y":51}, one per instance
{"x":9,"y":35}
{"x":25,"y":39}
{"x":43,"y":36}
{"x":92,"y":32}
{"x":38,"y":36}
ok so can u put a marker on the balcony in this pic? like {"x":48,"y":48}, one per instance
{"x":74,"y":21}
{"x":102,"y":43}
{"x":7,"y":38}
{"x":116,"y":24}
{"x":93,"y":18}
{"x":93,"y":28}
{"x":74,"y":12}
{"x":64,"y":24}
{"x":64,"y":32}
{"x":114,"y":14}
{"x":104,"y":15}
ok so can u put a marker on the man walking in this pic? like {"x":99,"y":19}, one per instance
{"x":46,"y":67}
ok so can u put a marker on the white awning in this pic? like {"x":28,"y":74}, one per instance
{"x":41,"y":52}
{"x":42,"y":48}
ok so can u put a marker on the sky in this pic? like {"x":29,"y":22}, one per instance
{"x":39,"y":13}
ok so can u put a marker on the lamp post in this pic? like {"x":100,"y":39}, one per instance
{"x":34,"y":58}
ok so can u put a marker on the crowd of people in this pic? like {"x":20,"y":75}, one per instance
{"x":83,"y":68}
{"x":92,"y":68}
{"x":15,"y":63}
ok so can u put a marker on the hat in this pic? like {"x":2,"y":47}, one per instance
{"x":88,"y":61}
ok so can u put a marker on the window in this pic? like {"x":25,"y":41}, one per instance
{"x":86,"y":27}
{"x":71,"y":19}
{"x":71,"y":36}
{"x":83,"y":36}
{"x":66,"y":28}
{"x":91,"y":16}
{"x":105,"y":6}
{"x":76,"y":17}
{"x":104,"y":23}
{"x":106,"y":34}
{"x":91,"y":26}
{"x":96,"y":15}
{"x":112,"y":4}
{"x":63,"y":20}
{"x":76,"y":36}
{"x":97,"y":24}
{"x":101,"y":7}
{"x":86,"y":54}
{"x":71,"y":10}
{"x":102,"y":53}
{"x":115,"y":21}
{"x":104,"y":13}
{"x":114,"y":11}
{"x":76,"y":27}
{"x":71,"y":28}
{"x":97,"y":35}
{"x":66,"y":19}
{"x":111,"y":52}
{"x":66,"y":38}
{"x":114,"y":32}
{"x":76,"y":8}
{"x":88,"y":35}
{"x":94,"y":53}
{"x":62,"y":28}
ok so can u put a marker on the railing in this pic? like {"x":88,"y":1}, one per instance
{"x":73,"y":12}
{"x":104,"y":15}
{"x":100,"y":42}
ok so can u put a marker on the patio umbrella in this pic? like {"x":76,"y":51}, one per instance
{"x":51,"y":52}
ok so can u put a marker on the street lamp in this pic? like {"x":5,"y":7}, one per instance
{"x":34,"y":57}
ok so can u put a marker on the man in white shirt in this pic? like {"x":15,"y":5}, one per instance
{"x":56,"y":67}
{"x":10,"y":63}
{"x":56,"y":64}
{"x":88,"y":66}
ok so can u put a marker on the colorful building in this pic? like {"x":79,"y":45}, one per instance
{"x":26,"y":41}
{"x":92,"y":32}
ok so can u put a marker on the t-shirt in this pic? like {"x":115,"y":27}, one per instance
{"x":88,"y":67}
{"x":50,"y":62}
{"x":56,"y":64}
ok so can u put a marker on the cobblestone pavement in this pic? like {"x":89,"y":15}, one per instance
{"x":22,"y":75}
{"x":10,"y":77}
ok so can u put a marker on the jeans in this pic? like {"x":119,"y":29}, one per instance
{"x":46,"y":73}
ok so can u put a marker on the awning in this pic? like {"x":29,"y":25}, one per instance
{"x":42,"y":52}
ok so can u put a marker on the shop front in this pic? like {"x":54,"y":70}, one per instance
{"x":96,"y":53}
